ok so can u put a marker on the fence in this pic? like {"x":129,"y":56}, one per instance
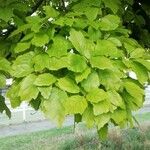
{"x":25,"y":113}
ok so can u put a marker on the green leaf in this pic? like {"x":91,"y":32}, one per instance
{"x":79,"y":42}
{"x":64,"y":20}
{"x":21,"y":47}
{"x":2,"y":81}
{"x":101,"y":107}
{"x":103,"y":132}
{"x":3,"y":107}
{"x":101,"y":120}
{"x":76,"y":63}
{"x":40,"y":39}
{"x":20,"y":29}
{"x":119,"y":115}
{"x":77,"y":118}
{"x":4,"y":65}
{"x":81,"y":76}
{"x":35,"y":22}
{"x":106,"y":48}
{"x":58,"y":63}
{"x":116,"y":99}
{"x":6,"y":13}
{"x":75,"y":105}
{"x":101,"y":62}
{"x":109,"y":22}
{"x":45,"y":91}
{"x":88,"y":117}
{"x":12,"y":95}
{"x":23,"y":65}
{"x":91,"y":13}
{"x":145,"y":63}
{"x":41,"y":61}
{"x":113,"y":5}
{"x":133,"y":89}
{"x":59,"y":47}
{"x":45,"y":79}
{"x":141,"y":72}
{"x":28,"y":90}
{"x":94,"y":34}
{"x":134,"y":103}
{"x":68,"y":85}
{"x":27,"y":37}
{"x":53,"y":107}
{"x":109,"y":79}
{"x":92,"y":3}
{"x":137,"y":53}
{"x":96,"y":95}
{"x":129,"y":44}
{"x":116,"y":41}
{"x":50,"y":11}
{"x":35,"y":103}
{"x":77,"y":39}
{"x":91,"y":82}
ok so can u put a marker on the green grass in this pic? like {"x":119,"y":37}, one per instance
{"x":143,"y":117}
{"x":82,"y":139}
{"x":34,"y":141}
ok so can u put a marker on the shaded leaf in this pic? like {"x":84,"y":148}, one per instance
{"x":45,"y":91}
{"x":103,"y":132}
{"x":4,"y":65}
{"x":3,"y":107}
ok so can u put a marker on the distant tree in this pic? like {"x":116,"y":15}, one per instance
{"x":74,"y":57}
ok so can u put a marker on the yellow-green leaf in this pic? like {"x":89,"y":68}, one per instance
{"x":75,"y":105}
{"x":45,"y":79}
{"x":69,"y":85}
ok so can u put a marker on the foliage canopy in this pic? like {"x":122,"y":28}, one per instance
{"x":75,"y":57}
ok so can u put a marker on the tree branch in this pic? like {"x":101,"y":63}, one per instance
{"x":63,"y":5}
{"x":34,"y":8}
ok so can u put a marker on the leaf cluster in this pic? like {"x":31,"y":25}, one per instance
{"x":75,"y":58}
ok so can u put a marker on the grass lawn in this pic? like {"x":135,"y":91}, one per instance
{"x":82,"y":139}
{"x":143,"y":117}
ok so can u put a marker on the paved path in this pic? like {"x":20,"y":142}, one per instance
{"x":30,"y":127}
